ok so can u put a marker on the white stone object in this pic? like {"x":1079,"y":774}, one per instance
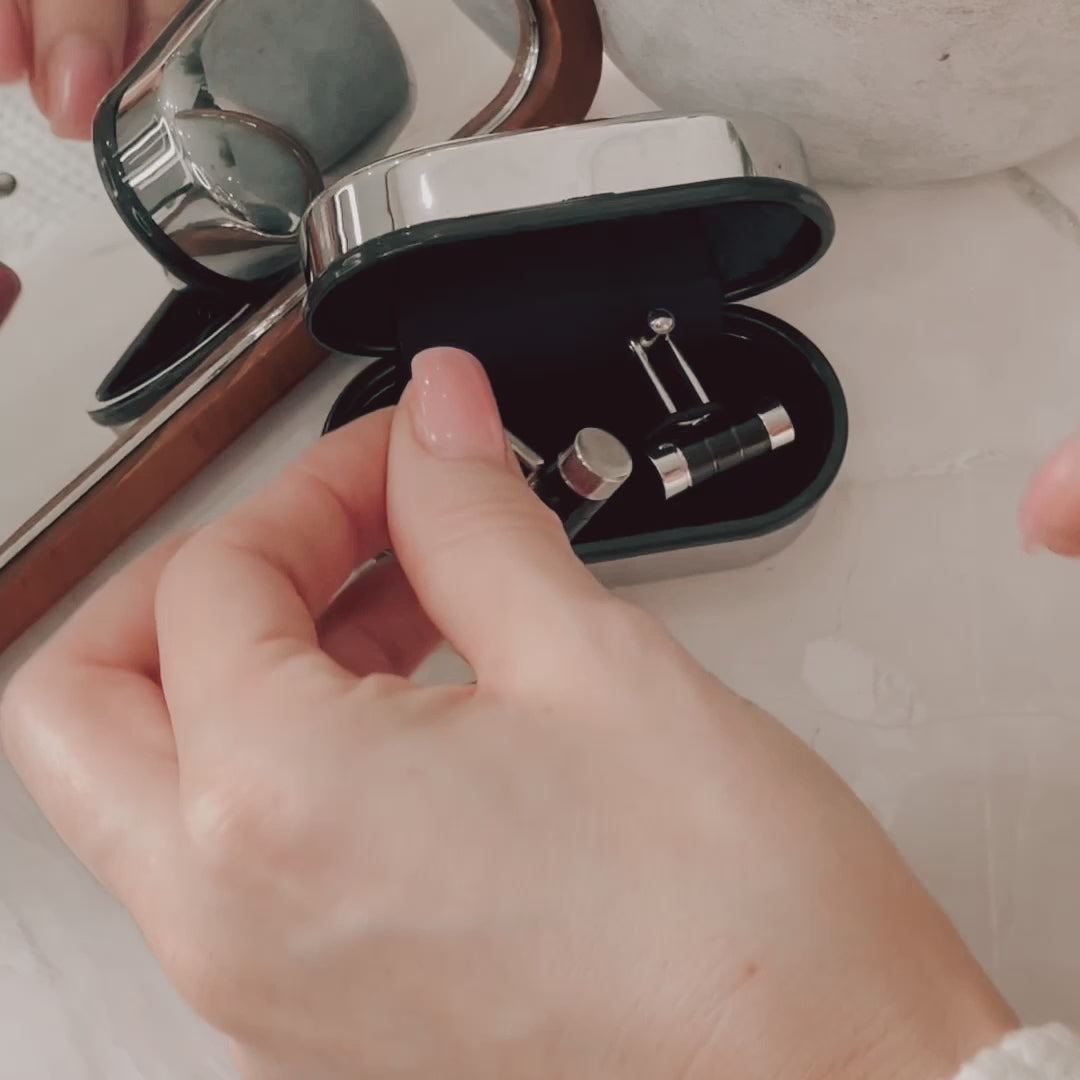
{"x":881,"y":91}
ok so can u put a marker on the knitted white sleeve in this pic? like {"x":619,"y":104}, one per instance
{"x":1048,"y":1053}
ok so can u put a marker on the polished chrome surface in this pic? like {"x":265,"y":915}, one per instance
{"x":690,"y":562}
{"x":778,"y":427}
{"x":596,"y":466}
{"x":529,"y":460}
{"x":638,"y":348}
{"x":510,"y":172}
{"x":662,"y":323}
{"x":245,"y":109}
{"x":671,"y":464}
{"x":688,"y":371}
{"x":674,"y":470}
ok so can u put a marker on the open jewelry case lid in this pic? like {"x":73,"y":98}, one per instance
{"x":648,"y":198}
{"x":214,"y":143}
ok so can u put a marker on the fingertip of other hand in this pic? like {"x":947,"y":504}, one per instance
{"x":10,"y":287}
{"x":13,"y":48}
{"x":1050,"y":514}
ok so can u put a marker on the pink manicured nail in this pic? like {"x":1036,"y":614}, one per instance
{"x":9,"y":290}
{"x":453,"y":409}
{"x":12,"y":43}
{"x":80,"y":71}
{"x":1050,"y":517}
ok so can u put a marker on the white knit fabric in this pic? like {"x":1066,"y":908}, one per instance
{"x":1048,"y":1053}
{"x":58,"y":184}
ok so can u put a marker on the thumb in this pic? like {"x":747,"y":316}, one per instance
{"x":491,"y":565}
{"x":1051,"y":514}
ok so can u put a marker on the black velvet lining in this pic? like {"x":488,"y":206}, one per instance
{"x":746,"y":236}
{"x":550,"y":314}
{"x":745,"y":358}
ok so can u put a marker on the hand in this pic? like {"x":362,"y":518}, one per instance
{"x":9,"y":291}
{"x":596,"y":862}
{"x":73,"y":51}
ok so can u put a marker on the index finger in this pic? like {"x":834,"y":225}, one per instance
{"x":244,"y":595}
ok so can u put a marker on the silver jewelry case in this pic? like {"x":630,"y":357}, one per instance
{"x":544,"y":252}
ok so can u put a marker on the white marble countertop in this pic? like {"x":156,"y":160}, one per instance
{"x":905,"y":635}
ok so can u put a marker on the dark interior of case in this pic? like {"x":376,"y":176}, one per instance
{"x":549,"y":304}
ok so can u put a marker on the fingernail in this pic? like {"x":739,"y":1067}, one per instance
{"x":80,"y":72}
{"x":9,"y":290}
{"x":453,"y":409}
{"x":1050,"y":515}
{"x":12,"y":43}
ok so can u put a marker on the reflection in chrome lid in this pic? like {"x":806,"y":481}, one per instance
{"x":215,"y":143}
